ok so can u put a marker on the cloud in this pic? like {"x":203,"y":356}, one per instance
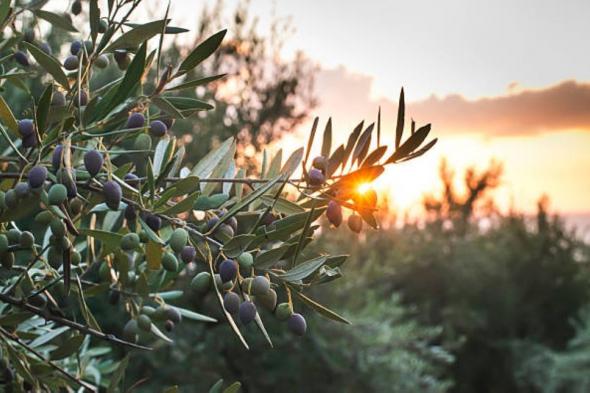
{"x":520,"y":111}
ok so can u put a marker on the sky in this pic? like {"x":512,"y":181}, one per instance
{"x":505,"y":80}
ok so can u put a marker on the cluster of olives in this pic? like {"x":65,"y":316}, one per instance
{"x":147,"y":317}
{"x":317,"y":177}
{"x":256,"y":290}
{"x":13,"y":240}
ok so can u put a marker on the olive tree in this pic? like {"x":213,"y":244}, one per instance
{"x":97,"y":198}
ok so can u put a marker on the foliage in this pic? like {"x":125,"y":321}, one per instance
{"x":100,"y":203}
{"x":494,"y":289}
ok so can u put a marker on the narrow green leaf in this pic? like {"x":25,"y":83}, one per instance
{"x":233,"y":388}
{"x":205,"y":167}
{"x":7,"y":117}
{"x":43,"y":109}
{"x":50,"y":64}
{"x":194,"y":315}
{"x":362,"y":147}
{"x":196,"y":83}
{"x":56,"y":20}
{"x":138,"y":34}
{"x":67,"y":348}
{"x":153,"y":236}
{"x":201,"y":52}
{"x":164,"y":105}
{"x":282,"y":205}
{"x":320,"y":309}
{"x":94,"y":19}
{"x":412,"y":143}
{"x":399,"y":128}
{"x":237,"y":245}
{"x":183,"y":206}
{"x":352,"y":138}
{"x":292,"y":163}
{"x":314,"y":128}
{"x":303,"y":270}
{"x":327,"y":140}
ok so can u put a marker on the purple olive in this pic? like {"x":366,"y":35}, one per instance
{"x":158,"y":128}
{"x":93,"y":162}
{"x":75,"y":47}
{"x":56,"y":157}
{"x":231,"y":302}
{"x":334,"y":213}
{"x":26,"y":127}
{"x":188,"y":254}
{"x":355,"y":223}
{"x":135,"y":120}
{"x":132,"y":180}
{"x":112,"y":194}
{"x":37,"y":176}
{"x":154,"y":222}
{"x":316,"y":177}
{"x":296,"y":324}
{"x":228,"y":270}
{"x":71,"y":63}
{"x":21,"y":58}
{"x":247,"y":312}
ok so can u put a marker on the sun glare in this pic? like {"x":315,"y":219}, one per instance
{"x":363,"y":188}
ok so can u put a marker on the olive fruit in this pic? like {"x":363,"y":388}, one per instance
{"x":21,"y":190}
{"x":334,"y":213}
{"x":55,"y":257}
{"x":135,"y":120}
{"x":228,"y":270}
{"x":247,"y":312}
{"x":30,"y":141}
{"x":21,"y":58}
{"x":226,"y":286}
{"x":260,"y":285}
{"x":76,"y":206}
{"x":188,"y":254}
{"x":168,"y":121}
{"x":130,"y":213}
{"x":71,"y":63}
{"x":75,"y":47}
{"x":316,"y":177}
{"x":37,"y":176}
{"x":231,"y":302}
{"x":44,"y":217}
{"x":114,"y":297}
{"x":57,"y":226}
{"x":26,"y":127}
{"x":130,"y":241}
{"x":321,"y":163}
{"x":102,"y":26}
{"x":169,"y":262}
{"x":169,"y":325}
{"x":112,"y":194}
{"x":3,"y":244}
{"x":246,"y":260}
{"x":122,"y":58}
{"x":57,"y":194}
{"x":130,"y":331}
{"x":268,"y":300}
{"x":178,"y":239}
{"x":93,"y":162}
{"x":13,"y":236}
{"x":81,"y":98}
{"x":27,"y":239}
{"x":212,"y":222}
{"x":58,"y":99}
{"x":11,"y":199}
{"x":76,"y":7}
{"x":296,"y":324}
{"x":44,"y":46}
{"x":158,"y":128}
{"x":283,"y":311}
{"x":172,"y":314}
{"x":56,"y":157}
{"x":102,"y":61}
{"x":355,"y":223}
{"x":201,"y":282}
{"x":144,"y":322}
{"x":75,"y":258}
{"x":154,"y":222}
{"x":224,"y":233}
{"x":132,"y":180}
